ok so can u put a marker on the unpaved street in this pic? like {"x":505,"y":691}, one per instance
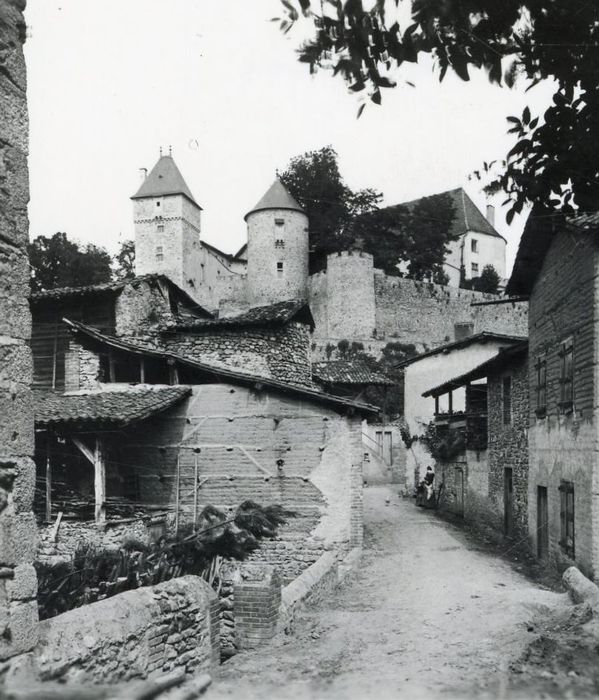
{"x":426,"y":614}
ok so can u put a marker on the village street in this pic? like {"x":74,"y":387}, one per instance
{"x":426,"y":613}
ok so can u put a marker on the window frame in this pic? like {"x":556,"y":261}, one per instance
{"x":567,"y":512}
{"x":473,"y":271}
{"x":280,"y":268}
{"x":474,"y":245}
{"x":541,"y":384}
{"x":566,"y":375}
{"x":159,"y":253}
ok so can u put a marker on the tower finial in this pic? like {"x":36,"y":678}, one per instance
{"x":170,"y":150}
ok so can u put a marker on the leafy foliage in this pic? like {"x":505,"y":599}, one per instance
{"x":341,"y":218}
{"x":94,"y":574}
{"x":555,"y":160}
{"x":57,"y":262}
{"x":443,"y":445}
{"x":125,"y":260}
{"x":487,"y":282}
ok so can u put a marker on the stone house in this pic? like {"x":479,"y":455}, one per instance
{"x":214,"y":436}
{"x":556,"y":267}
{"x":488,"y":481}
{"x":436,"y":366}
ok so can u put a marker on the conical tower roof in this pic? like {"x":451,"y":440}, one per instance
{"x":165,"y":178}
{"x":276,"y":197}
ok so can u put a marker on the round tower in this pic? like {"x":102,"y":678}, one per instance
{"x":277,"y":253}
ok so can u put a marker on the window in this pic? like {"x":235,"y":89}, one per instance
{"x":541,"y":384}
{"x":280,"y":222}
{"x":474,"y":245}
{"x":279,"y":269}
{"x":566,"y":353}
{"x":159,"y":253}
{"x":157,"y":204}
{"x":507,"y":400}
{"x":279,"y":243}
{"x":474,"y":269}
{"x":567,"y":535}
{"x":160,"y":228}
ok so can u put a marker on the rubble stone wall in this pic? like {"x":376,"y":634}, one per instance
{"x":173,"y":626}
{"x":18,"y":584}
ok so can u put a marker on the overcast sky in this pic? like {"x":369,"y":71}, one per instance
{"x":111,"y":81}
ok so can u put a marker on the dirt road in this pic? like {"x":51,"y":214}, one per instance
{"x":426,"y":614}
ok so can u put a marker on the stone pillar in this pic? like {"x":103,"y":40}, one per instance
{"x":257,"y":599}
{"x":18,"y":532}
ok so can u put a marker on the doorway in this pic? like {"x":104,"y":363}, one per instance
{"x":542,"y":523}
{"x":508,"y":502}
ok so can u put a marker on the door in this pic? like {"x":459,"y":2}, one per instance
{"x":542,"y":523}
{"x":388,"y":447}
{"x":508,"y":502}
{"x":379,"y":443}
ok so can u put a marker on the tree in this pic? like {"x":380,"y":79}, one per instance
{"x":555,"y":162}
{"x":487,"y":282}
{"x":341,"y":218}
{"x":57,"y":262}
{"x":125,"y":260}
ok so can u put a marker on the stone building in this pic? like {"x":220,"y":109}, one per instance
{"x":350,"y":300}
{"x":556,"y":266}
{"x":18,"y":584}
{"x":491,"y":474}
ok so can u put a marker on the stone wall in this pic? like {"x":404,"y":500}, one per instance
{"x":18,"y":585}
{"x":173,"y":626}
{"x":563,"y":444}
{"x":508,"y":446}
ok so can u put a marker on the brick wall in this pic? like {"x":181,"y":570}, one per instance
{"x":563,"y":445}
{"x":18,"y":585}
{"x":173,"y":626}
{"x":257,"y":599}
{"x":508,"y":445}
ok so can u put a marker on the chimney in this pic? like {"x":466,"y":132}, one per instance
{"x":491,"y":214}
{"x":143,"y":173}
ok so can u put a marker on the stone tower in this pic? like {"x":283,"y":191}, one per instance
{"x":167,"y":226}
{"x":277,"y":252}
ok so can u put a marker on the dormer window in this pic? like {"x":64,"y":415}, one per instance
{"x":159,"y":253}
{"x":280,"y":222}
{"x":279,"y":269}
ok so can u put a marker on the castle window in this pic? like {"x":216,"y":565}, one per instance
{"x":159,"y":253}
{"x":160,"y":228}
{"x":279,"y":269}
{"x":279,"y":243}
{"x":157,"y":204}
{"x":280,"y":222}
{"x":474,"y":245}
{"x":474,"y":269}
{"x":566,"y":353}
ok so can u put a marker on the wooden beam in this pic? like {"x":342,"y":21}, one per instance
{"x":111,"y":372}
{"x":48,"y":480}
{"x":84,"y":449}
{"x":142,"y":370}
{"x":100,"y":482}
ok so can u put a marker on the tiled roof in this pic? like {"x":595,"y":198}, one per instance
{"x":276,"y":197}
{"x":274,"y":314}
{"x":467,"y":216}
{"x":165,"y":178}
{"x":503,"y":358}
{"x":348,"y":372}
{"x":223,"y":374}
{"x":107,"y":409}
{"x":114,"y":287}
{"x":482,"y":338}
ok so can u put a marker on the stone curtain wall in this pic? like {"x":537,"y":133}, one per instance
{"x":564,"y":445}
{"x":508,"y":446}
{"x":18,"y":585}
{"x":173,"y":626}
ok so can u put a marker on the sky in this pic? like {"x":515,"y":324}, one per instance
{"x":111,"y":81}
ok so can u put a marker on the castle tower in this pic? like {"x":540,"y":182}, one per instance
{"x":277,"y":252}
{"x":351,"y":304}
{"x":167,"y":226}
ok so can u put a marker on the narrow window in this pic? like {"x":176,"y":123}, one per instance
{"x":159,"y":253}
{"x":160,"y":228}
{"x":280,"y":222}
{"x":474,"y":269}
{"x":507,"y":400}
{"x":566,"y":353}
{"x":157,"y":204}
{"x":279,"y":269}
{"x":567,"y":538}
{"x":279,"y":243}
{"x":541,"y":384}
{"x":474,"y":245}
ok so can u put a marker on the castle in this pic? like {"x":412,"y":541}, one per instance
{"x":351,"y":300}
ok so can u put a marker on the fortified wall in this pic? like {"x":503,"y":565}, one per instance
{"x":353,"y":301}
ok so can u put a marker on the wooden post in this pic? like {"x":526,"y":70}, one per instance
{"x":195,"y":489}
{"x":142,"y":370}
{"x":111,"y":371}
{"x":451,"y":403}
{"x":177,"y":489}
{"x":99,"y":482}
{"x":48,"y":480}
{"x":436,"y":405}
{"x":173,"y":372}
